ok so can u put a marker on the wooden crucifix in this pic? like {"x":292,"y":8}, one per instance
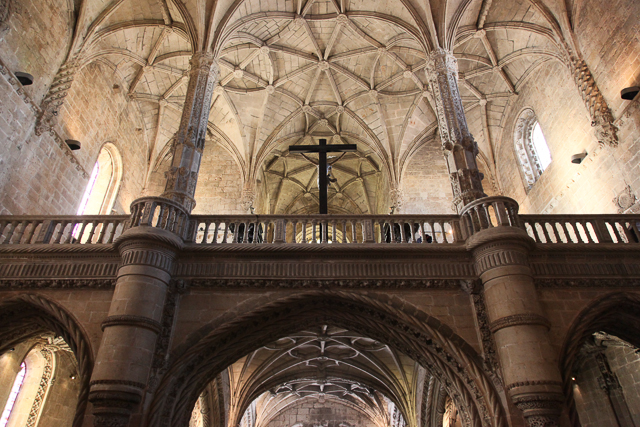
{"x":322,"y":149}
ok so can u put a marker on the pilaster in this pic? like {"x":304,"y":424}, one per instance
{"x":459,"y":147}
{"x":516,"y":319}
{"x":189,"y":143}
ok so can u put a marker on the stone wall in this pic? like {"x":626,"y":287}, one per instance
{"x":42,"y":176}
{"x":426,"y":185}
{"x":312,"y":412}
{"x":592,"y":403}
{"x":219,"y":189}
{"x":202,"y":308}
{"x":625,"y":362}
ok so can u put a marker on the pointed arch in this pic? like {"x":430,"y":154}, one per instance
{"x":391,"y":321}
{"x":28,"y":315}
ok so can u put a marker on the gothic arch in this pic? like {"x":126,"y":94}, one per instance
{"x":617,"y":314}
{"x":388,"y":320}
{"x":28,"y":315}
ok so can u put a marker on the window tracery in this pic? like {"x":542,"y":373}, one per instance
{"x":531,"y":147}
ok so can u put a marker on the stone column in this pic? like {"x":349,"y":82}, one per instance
{"x":125,"y":357}
{"x":460,"y":149}
{"x":189,"y":143}
{"x":529,"y":364}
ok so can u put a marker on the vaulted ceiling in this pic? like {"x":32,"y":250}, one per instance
{"x":295,"y":70}
{"x":323,"y":364}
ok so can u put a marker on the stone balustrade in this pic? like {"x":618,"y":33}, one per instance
{"x":320,"y":229}
{"x":161,"y":213}
{"x":90,"y":229}
{"x":206,"y":230}
{"x":589,"y":229}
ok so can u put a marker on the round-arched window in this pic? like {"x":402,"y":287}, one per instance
{"x":531,"y":147}
{"x":104,"y":183}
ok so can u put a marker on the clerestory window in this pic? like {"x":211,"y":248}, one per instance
{"x":531,"y":147}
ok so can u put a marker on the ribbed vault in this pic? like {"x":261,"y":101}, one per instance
{"x":294,"y":71}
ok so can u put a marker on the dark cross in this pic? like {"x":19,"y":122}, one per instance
{"x":322,"y":149}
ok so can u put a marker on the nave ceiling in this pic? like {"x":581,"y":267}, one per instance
{"x":294,"y":71}
{"x":325,"y":365}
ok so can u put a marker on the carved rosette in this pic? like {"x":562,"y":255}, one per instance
{"x":55,"y":97}
{"x":459,"y":147}
{"x":189,"y":141}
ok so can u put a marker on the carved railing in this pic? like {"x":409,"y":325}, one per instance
{"x":90,"y":229}
{"x":160,"y":213}
{"x":559,"y":229}
{"x":489,"y":212}
{"x":321,"y":229}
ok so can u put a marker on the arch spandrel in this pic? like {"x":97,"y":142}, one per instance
{"x":418,"y":335}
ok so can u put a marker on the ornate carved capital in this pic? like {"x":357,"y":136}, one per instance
{"x":517,"y":320}
{"x":540,"y":409}
{"x":113,"y":408}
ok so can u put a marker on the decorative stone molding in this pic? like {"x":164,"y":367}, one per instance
{"x":540,"y":409}
{"x":134,"y":384}
{"x":113,"y":408}
{"x":55,"y":97}
{"x":523,"y":140}
{"x":534,"y":383}
{"x":149,"y":257}
{"x":601,"y":118}
{"x":491,"y":359}
{"x":325,"y":284}
{"x":500,"y":258}
{"x":371,"y":272}
{"x":58,"y":284}
{"x":158,"y":365}
{"x":130,"y":320}
{"x":45,"y":382}
{"x":587,"y":283}
{"x":519,"y":319}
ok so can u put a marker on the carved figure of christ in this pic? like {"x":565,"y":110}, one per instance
{"x":322,"y":149}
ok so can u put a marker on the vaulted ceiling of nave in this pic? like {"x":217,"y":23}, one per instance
{"x":326,"y":365}
{"x":349,"y":70}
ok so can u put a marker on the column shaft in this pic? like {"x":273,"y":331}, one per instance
{"x":458,"y":145}
{"x":189,"y":141}
{"x":520,"y":329}
{"x":123,"y":363}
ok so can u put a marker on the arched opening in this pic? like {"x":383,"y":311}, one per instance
{"x":600,"y":360}
{"x":39,"y":336}
{"x":324,"y":344}
{"x":531,"y":147}
{"x":102,"y":189}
